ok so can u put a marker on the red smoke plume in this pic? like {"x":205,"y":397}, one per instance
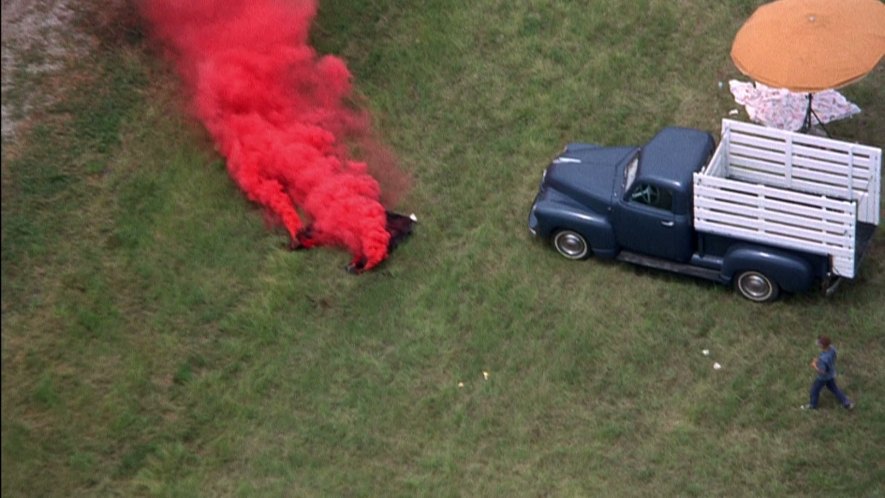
{"x":279,"y":114}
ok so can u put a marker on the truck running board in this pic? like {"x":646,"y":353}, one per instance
{"x":663,"y":264}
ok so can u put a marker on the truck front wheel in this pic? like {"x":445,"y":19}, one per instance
{"x":757,"y":287}
{"x":571,"y":244}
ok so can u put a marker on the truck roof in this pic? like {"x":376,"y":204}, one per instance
{"x":673,"y":155}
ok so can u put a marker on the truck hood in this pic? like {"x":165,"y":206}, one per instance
{"x":586,"y":173}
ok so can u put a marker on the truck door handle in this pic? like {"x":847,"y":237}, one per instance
{"x":668,"y":223}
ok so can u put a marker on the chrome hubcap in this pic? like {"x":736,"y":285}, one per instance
{"x":755,"y":286}
{"x":571,"y":245}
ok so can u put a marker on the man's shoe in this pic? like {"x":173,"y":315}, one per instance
{"x":850,"y":405}
{"x":807,"y":407}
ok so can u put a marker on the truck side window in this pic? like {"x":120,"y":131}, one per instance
{"x":653,"y":196}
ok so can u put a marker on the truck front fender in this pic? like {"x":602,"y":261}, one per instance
{"x":597,"y":229}
{"x":792,"y":272}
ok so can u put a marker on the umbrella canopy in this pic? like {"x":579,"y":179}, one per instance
{"x":811,"y":45}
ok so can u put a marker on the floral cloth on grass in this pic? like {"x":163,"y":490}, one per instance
{"x":785,"y":110}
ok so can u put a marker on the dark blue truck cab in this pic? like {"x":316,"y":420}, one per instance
{"x":638,"y":204}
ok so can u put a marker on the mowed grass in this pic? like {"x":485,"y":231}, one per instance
{"x":159,"y":340}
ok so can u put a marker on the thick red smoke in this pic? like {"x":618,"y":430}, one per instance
{"x":280,"y":114}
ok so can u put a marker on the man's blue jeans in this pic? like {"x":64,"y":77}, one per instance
{"x":831,"y":385}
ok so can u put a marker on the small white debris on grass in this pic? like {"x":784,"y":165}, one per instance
{"x":716,"y":366}
{"x":485,"y":375}
{"x":460,"y":384}
{"x":734,"y":112}
{"x":706,"y":352}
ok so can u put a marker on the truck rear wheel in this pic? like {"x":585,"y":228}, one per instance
{"x":757,"y":287}
{"x":571,"y":244}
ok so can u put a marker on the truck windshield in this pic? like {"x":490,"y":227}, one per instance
{"x":630,"y":173}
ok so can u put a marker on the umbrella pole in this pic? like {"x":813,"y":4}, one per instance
{"x":806,"y":125}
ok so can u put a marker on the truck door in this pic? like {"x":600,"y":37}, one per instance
{"x":645,"y":223}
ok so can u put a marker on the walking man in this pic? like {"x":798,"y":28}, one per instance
{"x":825,"y":366}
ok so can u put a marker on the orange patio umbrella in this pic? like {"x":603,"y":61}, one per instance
{"x":811,"y":45}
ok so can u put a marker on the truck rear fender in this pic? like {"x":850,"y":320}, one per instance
{"x":595,"y":228}
{"x":792,"y":272}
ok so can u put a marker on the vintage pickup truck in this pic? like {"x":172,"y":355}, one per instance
{"x":766,"y":210}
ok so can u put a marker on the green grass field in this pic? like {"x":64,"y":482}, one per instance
{"x":158,"y":340}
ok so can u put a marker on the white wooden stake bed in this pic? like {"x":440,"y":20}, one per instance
{"x":790,"y":190}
